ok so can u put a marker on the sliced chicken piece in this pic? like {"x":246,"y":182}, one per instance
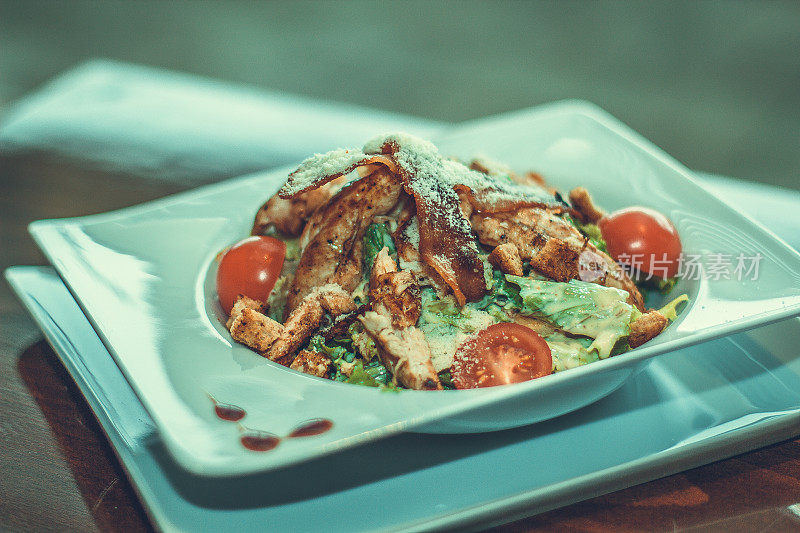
{"x":383,"y":265}
{"x":402,"y":347}
{"x":333,"y":253}
{"x":531,"y":229}
{"x":406,"y":240}
{"x":528,"y":228}
{"x":403,"y":351}
{"x":335,"y":300}
{"x":398,"y":292}
{"x":289,"y":216}
{"x":310,"y":229}
{"x":582,"y":202}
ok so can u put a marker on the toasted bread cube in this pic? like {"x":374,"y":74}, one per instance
{"x":300,"y":325}
{"x":255,"y":330}
{"x":556,"y":260}
{"x":646,"y":327}
{"x":335,"y":300}
{"x":243,"y":302}
{"x":506,"y":258}
{"x":310,"y":362}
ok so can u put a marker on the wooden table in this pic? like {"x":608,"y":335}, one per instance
{"x":58,"y":472}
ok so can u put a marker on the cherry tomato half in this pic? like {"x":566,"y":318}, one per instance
{"x":499,"y":355}
{"x":250,"y":267}
{"x":643,"y":238}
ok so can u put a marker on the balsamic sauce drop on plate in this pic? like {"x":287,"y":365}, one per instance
{"x":228,"y":411}
{"x":318,"y":426}
{"x":259,"y":441}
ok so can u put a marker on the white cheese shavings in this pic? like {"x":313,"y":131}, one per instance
{"x":433,"y":177}
{"x":334,"y":162}
{"x":444,"y":339}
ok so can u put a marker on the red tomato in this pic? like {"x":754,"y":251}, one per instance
{"x":250,"y":267}
{"x":499,"y":355}
{"x":644,"y":238}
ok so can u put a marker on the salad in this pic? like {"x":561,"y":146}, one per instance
{"x":392,"y":266}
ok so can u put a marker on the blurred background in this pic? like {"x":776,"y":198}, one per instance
{"x":715,"y":84}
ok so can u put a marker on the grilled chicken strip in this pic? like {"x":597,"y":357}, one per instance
{"x":552,"y":245}
{"x":333,"y":253}
{"x":402,"y":347}
{"x":289,"y":216}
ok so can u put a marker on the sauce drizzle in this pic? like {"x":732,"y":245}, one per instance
{"x":259,"y":441}
{"x":231,"y":413}
{"x":314,"y":427}
{"x":263,"y":441}
{"x":228,"y":411}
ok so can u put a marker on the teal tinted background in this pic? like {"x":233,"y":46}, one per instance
{"x":716,"y":84}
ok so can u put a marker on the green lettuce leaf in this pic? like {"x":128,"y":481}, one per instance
{"x":372,"y":374}
{"x":376,"y":237}
{"x":579,"y":308}
{"x":502,"y":299}
{"x":591,"y":231}
{"x":335,"y":349}
{"x":670,"y":311}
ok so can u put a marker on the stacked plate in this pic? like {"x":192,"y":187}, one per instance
{"x":130,"y":309}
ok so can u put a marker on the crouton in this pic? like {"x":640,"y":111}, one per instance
{"x":506,"y":258}
{"x":335,"y":300}
{"x":556,"y":260}
{"x":300,"y":325}
{"x":646,"y":327}
{"x":313,"y":363}
{"x":255,"y":330}
{"x":583,"y":204}
{"x":243,"y":302}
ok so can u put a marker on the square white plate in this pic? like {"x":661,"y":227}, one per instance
{"x":142,"y":277}
{"x":687,"y":408}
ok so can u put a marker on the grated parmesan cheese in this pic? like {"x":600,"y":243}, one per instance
{"x":339,"y":161}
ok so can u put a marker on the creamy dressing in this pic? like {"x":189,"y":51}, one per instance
{"x":580,"y":308}
{"x":568,"y":352}
{"x":446,"y":327}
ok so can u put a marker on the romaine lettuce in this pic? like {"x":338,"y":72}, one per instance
{"x":670,"y":311}
{"x":372,"y":374}
{"x":579,"y":308}
{"x":591,"y":231}
{"x":376,"y":237}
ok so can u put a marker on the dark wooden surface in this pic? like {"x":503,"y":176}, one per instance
{"x":58,"y":472}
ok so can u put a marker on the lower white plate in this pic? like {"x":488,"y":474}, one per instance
{"x":685,"y":409}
